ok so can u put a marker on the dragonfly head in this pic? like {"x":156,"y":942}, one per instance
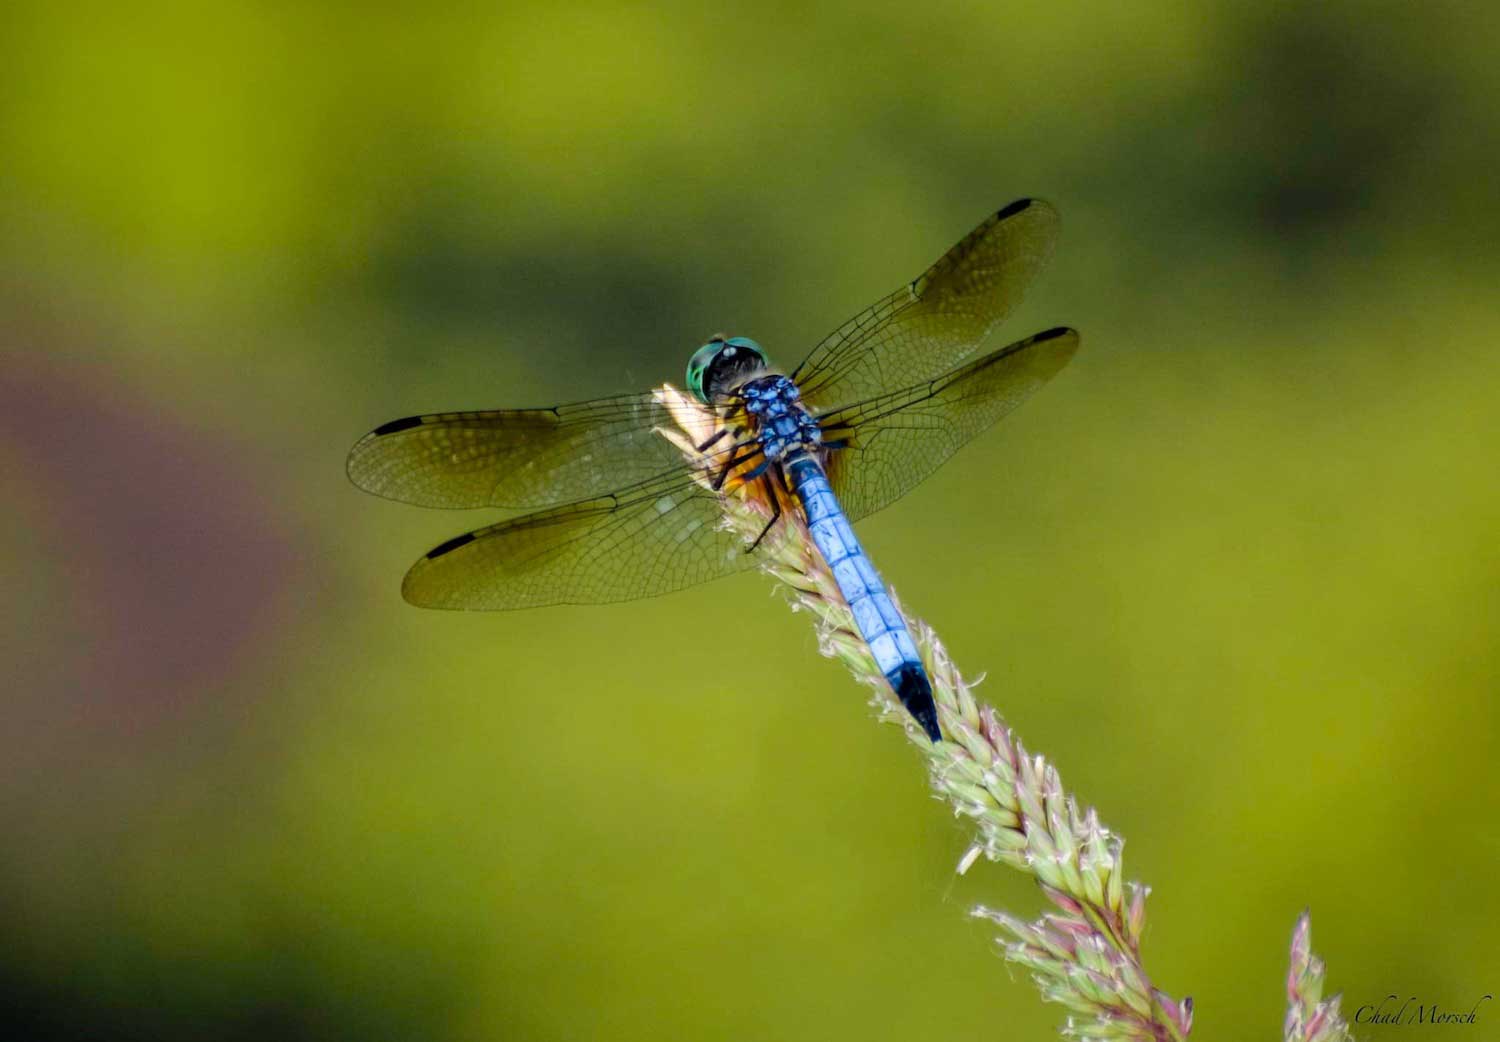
{"x":722,"y":364}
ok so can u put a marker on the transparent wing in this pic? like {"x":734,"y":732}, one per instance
{"x":937,"y":321}
{"x":516,"y":457}
{"x":664,"y":533}
{"x":898,"y":439}
{"x":540,"y":457}
{"x":661,"y":535}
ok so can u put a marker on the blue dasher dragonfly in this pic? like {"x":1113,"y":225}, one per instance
{"x":618,"y":512}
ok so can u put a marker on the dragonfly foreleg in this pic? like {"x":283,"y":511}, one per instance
{"x":765,"y":482}
{"x":734,"y":461}
{"x":711,"y":442}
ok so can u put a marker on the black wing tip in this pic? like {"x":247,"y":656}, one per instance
{"x":450,"y":545}
{"x":403,"y":424}
{"x":1014,"y":208}
{"x":1054,"y":333}
{"x":1044,"y":209}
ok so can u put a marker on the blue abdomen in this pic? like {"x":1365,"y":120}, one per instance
{"x":880,"y":624}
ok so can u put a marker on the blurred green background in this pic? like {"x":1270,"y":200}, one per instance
{"x":1236,"y":570}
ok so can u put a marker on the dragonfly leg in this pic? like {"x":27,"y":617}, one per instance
{"x":775,"y":511}
{"x":759,"y":469}
{"x":711,"y":442}
{"x":781,"y":477}
{"x":731,"y":463}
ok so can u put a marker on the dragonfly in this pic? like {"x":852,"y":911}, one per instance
{"x":616,"y":512}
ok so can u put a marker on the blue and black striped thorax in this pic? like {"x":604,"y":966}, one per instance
{"x":783,"y":425}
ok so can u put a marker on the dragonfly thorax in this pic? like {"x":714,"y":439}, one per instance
{"x":781,"y":422}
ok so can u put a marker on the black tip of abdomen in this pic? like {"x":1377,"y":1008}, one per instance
{"x":914,"y":690}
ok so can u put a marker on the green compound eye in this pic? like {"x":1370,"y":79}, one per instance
{"x":698,"y":365}
{"x":735,"y":353}
{"x":744,"y":343}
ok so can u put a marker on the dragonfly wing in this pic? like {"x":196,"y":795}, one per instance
{"x":662,"y":535}
{"x":516,"y":457}
{"x":898,"y":439}
{"x":937,"y":321}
